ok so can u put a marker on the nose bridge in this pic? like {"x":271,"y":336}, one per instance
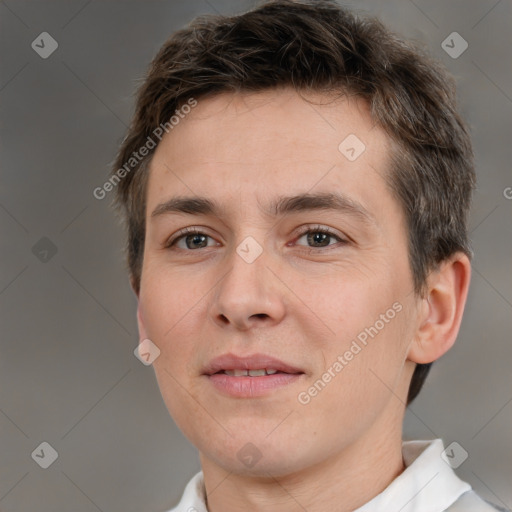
{"x":248,"y":292}
{"x":245,"y":281}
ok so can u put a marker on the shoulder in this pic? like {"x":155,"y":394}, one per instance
{"x":471,"y":502}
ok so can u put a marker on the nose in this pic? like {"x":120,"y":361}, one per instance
{"x":249,"y":295}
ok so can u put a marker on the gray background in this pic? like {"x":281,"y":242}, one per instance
{"x":68,"y":375}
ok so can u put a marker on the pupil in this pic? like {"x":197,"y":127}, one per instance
{"x":319,"y":238}
{"x":196,"y":240}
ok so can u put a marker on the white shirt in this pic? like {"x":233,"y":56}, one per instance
{"x":428,"y":484}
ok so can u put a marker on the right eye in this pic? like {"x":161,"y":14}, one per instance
{"x":190,"y":239}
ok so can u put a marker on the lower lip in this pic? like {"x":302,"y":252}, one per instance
{"x":251,"y":387}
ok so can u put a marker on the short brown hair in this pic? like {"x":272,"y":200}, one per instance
{"x":320,"y":46}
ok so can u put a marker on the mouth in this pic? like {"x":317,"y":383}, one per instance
{"x":256,"y":365}
{"x":250,"y":377}
{"x":250,"y":373}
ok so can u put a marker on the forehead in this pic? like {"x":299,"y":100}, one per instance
{"x":253,"y":145}
{"x":237,"y":126}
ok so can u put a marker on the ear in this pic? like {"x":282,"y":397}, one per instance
{"x":140,"y":322}
{"x":441,"y":309}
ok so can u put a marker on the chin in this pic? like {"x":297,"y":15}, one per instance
{"x":256,"y":455}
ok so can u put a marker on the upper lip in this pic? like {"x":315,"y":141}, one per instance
{"x":252,"y":362}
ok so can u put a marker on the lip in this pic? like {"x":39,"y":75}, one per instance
{"x":252,"y":362}
{"x":250,"y":387}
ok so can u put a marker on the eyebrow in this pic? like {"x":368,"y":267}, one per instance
{"x":281,"y":206}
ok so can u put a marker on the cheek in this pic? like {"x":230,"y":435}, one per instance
{"x":366,"y":349}
{"x":350,"y":306}
{"x":357,"y":383}
{"x":168,"y":310}
{"x":168,"y":306}
{"x":166,"y":297}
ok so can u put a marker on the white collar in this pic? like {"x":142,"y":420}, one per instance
{"x":428,"y":484}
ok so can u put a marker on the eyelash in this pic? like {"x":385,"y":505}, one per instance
{"x":307,"y":229}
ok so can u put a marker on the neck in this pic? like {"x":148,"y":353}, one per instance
{"x":344,"y":482}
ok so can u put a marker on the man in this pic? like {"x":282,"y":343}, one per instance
{"x":296,"y":184}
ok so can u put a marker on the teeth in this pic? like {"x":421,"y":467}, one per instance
{"x":250,"y":373}
{"x":236,"y":373}
{"x":257,"y":373}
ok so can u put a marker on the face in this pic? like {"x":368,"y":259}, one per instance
{"x":273,"y":243}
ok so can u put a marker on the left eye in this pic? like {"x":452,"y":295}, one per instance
{"x":318,"y":238}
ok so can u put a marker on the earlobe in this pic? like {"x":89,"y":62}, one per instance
{"x":441,"y":310}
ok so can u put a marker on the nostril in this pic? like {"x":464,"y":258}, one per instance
{"x":224,"y":319}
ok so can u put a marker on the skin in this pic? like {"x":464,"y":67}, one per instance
{"x":299,"y":301}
